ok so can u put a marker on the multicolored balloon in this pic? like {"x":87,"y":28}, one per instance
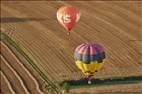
{"x":68,"y":16}
{"x":89,"y":58}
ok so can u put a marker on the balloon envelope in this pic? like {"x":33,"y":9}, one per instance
{"x":68,"y":16}
{"x":89,"y":58}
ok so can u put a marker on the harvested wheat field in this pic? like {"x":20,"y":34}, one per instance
{"x":7,"y":89}
{"x":117,"y":89}
{"x":18,"y":84}
{"x":117,"y":25}
{"x":17,"y":78}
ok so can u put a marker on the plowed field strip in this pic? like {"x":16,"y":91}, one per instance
{"x":6,"y":87}
{"x":13,"y":78}
{"x":29,"y":80}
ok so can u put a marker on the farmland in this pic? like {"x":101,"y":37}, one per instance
{"x":34,"y":26}
{"x":118,"y":89}
{"x":19,"y":78}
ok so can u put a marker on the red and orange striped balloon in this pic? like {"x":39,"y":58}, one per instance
{"x":68,"y":16}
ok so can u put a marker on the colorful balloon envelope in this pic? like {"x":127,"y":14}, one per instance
{"x":68,"y":16}
{"x":89,"y":58}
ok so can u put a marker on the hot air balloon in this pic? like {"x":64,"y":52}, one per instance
{"x":68,"y":16}
{"x":89,"y":58}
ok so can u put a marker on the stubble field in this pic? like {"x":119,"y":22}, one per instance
{"x":116,"y":25}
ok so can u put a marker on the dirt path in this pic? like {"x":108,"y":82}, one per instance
{"x":29,"y":80}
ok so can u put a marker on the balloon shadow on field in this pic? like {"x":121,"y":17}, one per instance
{"x":100,"y":82}
{"x":19,"y":19}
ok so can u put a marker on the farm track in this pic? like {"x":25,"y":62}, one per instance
{"x":30,"y":82}
{"x":6,"y":87}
